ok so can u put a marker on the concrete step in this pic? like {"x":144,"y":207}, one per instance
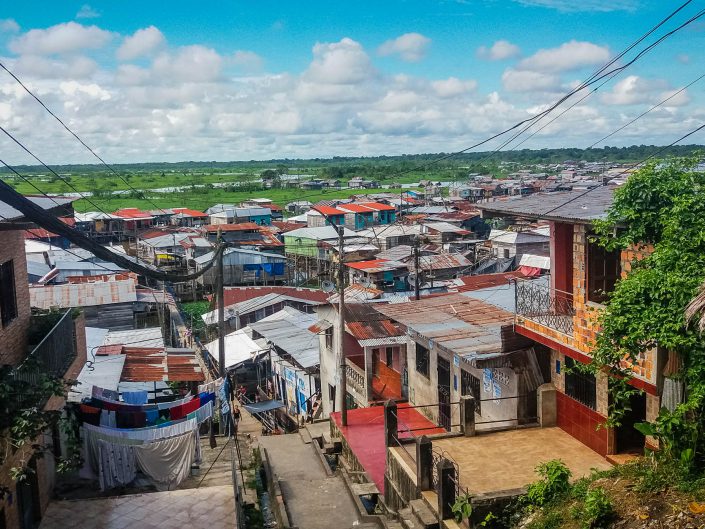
{"x":408,"y":519}
{"x":423,"y":513}
{"x":391,"y":524}
{"x":305,"y":435}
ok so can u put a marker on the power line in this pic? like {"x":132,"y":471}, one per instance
{"x":701,"y":127}
{"x":36,"y":98}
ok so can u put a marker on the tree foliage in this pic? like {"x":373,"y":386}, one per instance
{"x":663,"y":206}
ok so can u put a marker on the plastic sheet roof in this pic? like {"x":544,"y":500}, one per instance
{"x":239,"y":348}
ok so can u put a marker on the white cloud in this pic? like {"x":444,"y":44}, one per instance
{"x":453,"y":87}
{"x":635,"y":90}
{"x":195,"y":63}
{"x":87,"y":11}
{"x":247,"y":61}
{"x":62,"y":38}
{"x":343,"y":62}
{"x":604,"y":6}
{"x":182,"y":104}
{"x":568,"y":56}
{"x":143,"y":42}
{"x":527,"y":81}
{"x":683,"y":58}
{"x":9,"y":25}
{"x":499,"y":51}
{"x":410,"y":47}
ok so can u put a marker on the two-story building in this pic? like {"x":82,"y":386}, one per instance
{"x":560,"y":313}
{"x":51,"y":343}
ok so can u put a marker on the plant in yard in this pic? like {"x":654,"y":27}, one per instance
{"x":597,"y":510}
{"x":554,"y":483}
{"x":462,"y":508}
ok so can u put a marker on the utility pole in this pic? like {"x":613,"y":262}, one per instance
{"x":221,"y":307}
{"x":417,"y":283}
{"x":342,"y":368}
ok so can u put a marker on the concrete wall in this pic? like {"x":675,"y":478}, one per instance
{"x":13,"y":336}
{"x":327,"y":368}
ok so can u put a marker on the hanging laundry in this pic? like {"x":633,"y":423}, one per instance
{"x":97,"y":391}
{"x":152,"y":417}
{"x":107,"y":418}
{"x":117,"y":465}
{"x":135,"y":397}
{"x":89,"y":414}
{"x":167,"y":462}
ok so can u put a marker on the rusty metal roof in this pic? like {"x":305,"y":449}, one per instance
{"x":147,"y":364}
{"x":459,"y":324}
{"x":443,"y":261}
{"x":105,"y":291}
{"x":373,"y":329}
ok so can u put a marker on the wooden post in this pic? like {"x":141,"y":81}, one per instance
{"x":446,"y":488}
{"x":467,"y":415}
{"x":424,"y":463}
{"x":221,"y":311}
{"x":341,"y":328}
{"x":390,"y":424}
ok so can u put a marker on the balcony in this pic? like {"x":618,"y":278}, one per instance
{"x":356,"y":382}
{"x":536,"y":301}
{"x":56,"y":350}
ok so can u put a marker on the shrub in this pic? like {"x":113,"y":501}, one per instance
{"x":554,"y":483}
{"x":597,"y":510}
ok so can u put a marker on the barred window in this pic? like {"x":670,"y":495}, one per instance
{"x":580,"y":386}
{"x":423,"y":359}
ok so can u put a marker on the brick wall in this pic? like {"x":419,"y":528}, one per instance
{"x":13,"y":336}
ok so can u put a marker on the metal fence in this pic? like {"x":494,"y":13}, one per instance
{"x":54,"y":354}
{"x":544,"y":305}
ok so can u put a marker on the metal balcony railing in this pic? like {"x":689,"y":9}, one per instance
{"x":538,"y":302}
{"x":53,"y":355}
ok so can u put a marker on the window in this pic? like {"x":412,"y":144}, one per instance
{"x":423,"y":359}
{"x":470,"y":385}
{"x":389,"y":354}
{"x":603,"y":270}
{"x":8,"y":299}
{"x":329,"y":337}
{"x":506,"y":253}
{"x":580,"y":386}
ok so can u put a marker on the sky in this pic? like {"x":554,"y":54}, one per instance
{"x":241,"y":80}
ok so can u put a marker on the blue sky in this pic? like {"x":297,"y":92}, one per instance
{"x":238,"y":80}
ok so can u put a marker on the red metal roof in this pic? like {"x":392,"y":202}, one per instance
{"x":133,"y":213}
{"x":376,"y":264}
{"x":327,"y":210}
{"x":285,"y":226}
{"x":107,"y":350}
{"x":41,"y":233}
{"x":238,"y":294}
{"x":190,"y":212}
{"x":147,"y":364}
{"x":356,"y":208}
{"x":379,"y":207}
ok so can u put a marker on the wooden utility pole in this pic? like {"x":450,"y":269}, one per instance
{"x":417,"y":272}
{"x":221,"y":307}
{"x":342,"y":367}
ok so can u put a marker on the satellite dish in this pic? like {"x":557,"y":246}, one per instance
{"x":365,"y":282}
{"x":412,"y":278}
{"x":327,"y":285}
{"x":231,"y":313}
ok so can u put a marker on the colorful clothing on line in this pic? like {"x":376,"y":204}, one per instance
{"x":138,"y":397}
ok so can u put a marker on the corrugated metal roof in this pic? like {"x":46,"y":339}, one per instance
{"x":443,"y":261}
{"x":327,"y":210}
{"x":574,"y":206}
{"x":379,"y":342}
{"x":289,"y":330}
{"x":238,"y":294}
{"x":460,"y":324}
{"x":243,"y":226}
{"x":239,"y":348}
{"x":517,"y":237}
{"x":133,"y":213}
{"x":149,"y":337}
{"x":110,"y":290}
{"x":7,"y":212}
{"x":145,"y":364}
{"x":373,"y":329}
{"x":377,"y":265}
{"x":320,"y":233}
{"x":253,"y":304}
{"x":445,"y":227}
{"x":356,"y":293}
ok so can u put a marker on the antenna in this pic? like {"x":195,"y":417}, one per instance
{"x":412,"y":278}
{"x":327,"y":285}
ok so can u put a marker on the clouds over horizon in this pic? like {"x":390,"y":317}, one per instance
{"x":158,"y":101}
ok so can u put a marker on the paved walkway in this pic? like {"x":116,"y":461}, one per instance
{"x":212,"y":508}
{"x":502,"y":461}
{"x":313,"y":500}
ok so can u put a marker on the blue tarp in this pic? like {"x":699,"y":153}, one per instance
{"x":265,"y":405}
